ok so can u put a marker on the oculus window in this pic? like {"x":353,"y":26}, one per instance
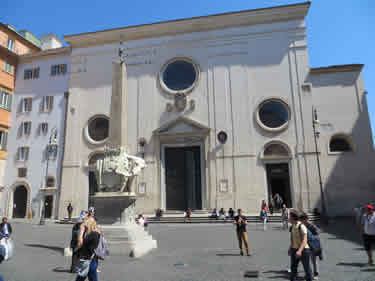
{"x":179,"y":75}
{"x":98,"y":128}
{"x":273,"y":114}
{"x":339,"y":144}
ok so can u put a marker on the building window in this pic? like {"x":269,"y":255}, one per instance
{"x":5,"y":100}
{"x":179,"y":75}
{"x":3,"y":140}
{"x":10,"y":45}
{"x":9,"y":68}
{"x":50,"y":181}
{"x":43,"y":129}
{"x":98,"y":129}
{"x":26,"y":128}
{"x":273,"y":114}
{"x":58,"y":69}
{"x":26,"y":104}
{"x":47,"y":103}
{"x":340,"y":144}
{"x":32,"y":73}
{"x":22,"y":172}
{"x":51,"y":151}
{"x":23,"y":153}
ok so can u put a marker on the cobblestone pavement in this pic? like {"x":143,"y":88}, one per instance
{"x":188,"y":252}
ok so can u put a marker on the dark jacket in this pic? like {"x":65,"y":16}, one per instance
{"x":75,"y":234}
{"x":9,"y":227}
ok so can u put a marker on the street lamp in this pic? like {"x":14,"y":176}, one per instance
{"x":51,"y":147}
{"x":316,"y":136}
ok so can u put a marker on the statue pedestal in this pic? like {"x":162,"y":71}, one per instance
{"x":128,"y":240}
{"x":114,"y":207}
{"x":115,"y":212}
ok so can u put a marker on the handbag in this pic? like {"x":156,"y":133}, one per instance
{"x":83,"y":267}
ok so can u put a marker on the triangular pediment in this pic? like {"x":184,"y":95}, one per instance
{"x":181,"y":125}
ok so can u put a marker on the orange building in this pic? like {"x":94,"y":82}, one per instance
{"x":13,"y":43}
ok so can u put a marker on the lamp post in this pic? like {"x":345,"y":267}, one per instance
{"x":51,"y":146}
{"x":316,"y":136}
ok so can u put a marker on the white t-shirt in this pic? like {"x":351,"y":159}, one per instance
{"x":369,"y":224}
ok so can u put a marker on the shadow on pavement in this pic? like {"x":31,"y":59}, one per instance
{"x":228,"y":255}
{"x":278,"y":274}
{"x":353,"y":264}
{"x":53,"y":248}
{"x":343,"y":229}
{"x":61,"y":269}
{"x":369,"y":270}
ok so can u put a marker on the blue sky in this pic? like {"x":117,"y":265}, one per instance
{"x":339,"y":32}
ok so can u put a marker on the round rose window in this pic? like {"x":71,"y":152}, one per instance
{"x":273,"y":114}
{"x":98,"y":128}
{"x":179,"y":76}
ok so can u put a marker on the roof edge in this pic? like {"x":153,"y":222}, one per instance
{"x":20,"y":37}
{"x":45,"y":53}
{"x":194,"y":24}
{"x":337,"y":68}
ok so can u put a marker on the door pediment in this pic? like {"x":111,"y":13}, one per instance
{"x":181,"y":125}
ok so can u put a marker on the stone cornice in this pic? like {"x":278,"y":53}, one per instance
{"x":337,"y":68}
{"x":197,"y":24}
{"x":45,"y":54}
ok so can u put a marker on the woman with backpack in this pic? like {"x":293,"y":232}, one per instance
{"x":315,"y":253}
{"x":88,"y":241}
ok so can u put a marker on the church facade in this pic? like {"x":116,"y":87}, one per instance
{"x":222,"y":110}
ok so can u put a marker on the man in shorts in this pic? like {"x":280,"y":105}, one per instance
{"x":368,"y":232}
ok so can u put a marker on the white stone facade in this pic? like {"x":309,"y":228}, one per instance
{"x":243,"y":60}
{"x":38,"y":138}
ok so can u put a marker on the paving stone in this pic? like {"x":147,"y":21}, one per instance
{"x":189,"y":252}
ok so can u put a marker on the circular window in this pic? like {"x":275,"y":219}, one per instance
{"x":98,"y":129}
{"x":179,"y":75}
{"x":273,"y":114}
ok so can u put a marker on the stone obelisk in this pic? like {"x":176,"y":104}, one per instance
{"x":118,"y":131}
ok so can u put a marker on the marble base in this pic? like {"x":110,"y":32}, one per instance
{"x":114,"y":207}
{"x":128,"y":240}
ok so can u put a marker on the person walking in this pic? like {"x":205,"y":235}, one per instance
{"x":241,"y":222}
{"x":263,"y":214}
{"x":70,"y":210}
{"x":5,"y":227}
{"x":317,"y":253}
{"x":271,"y":206}
{"x":88,"y":241}
{"x":299,"y":249}
{"x":368,"y":232}
{"x":284,"y":216}
{"x":74,"y":245}
{"x":187,"y":215}
{"x":278,"y":200}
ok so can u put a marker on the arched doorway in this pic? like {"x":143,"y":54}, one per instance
{"x":276,"y":157}
{"x":20,"y":202}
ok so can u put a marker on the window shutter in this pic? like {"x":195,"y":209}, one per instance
{"x":4,"y":140}
{"x":30,"y":104}
{"x":10,"y":99}
{"x":26,"y":153}
{"x":50,"y":105}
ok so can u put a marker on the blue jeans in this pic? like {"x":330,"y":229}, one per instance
{"x":93,"y":275}
{"x":305,"y":258}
